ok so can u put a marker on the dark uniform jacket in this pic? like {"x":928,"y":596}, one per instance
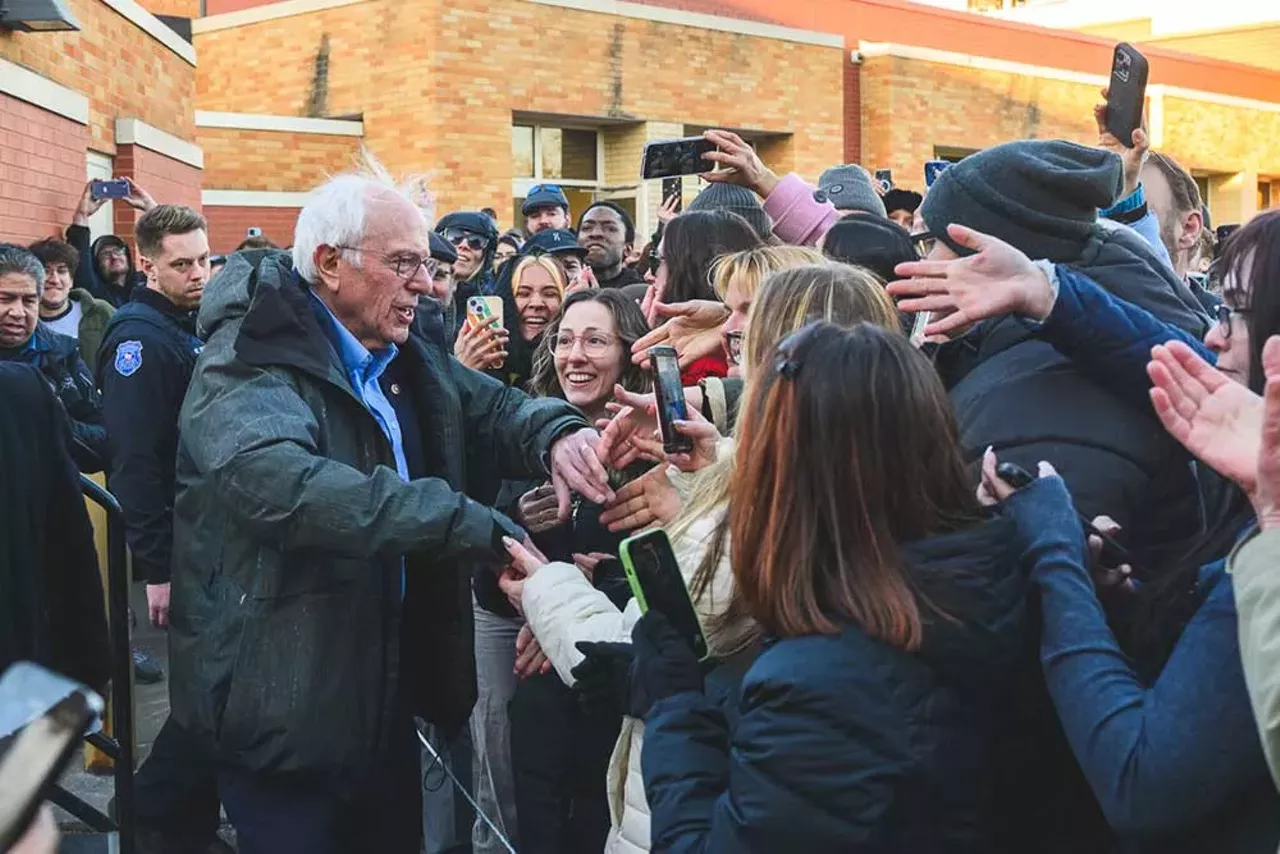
{"x":293,"y":530}
{"x":144,"y":366}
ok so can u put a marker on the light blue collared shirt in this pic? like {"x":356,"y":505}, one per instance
{"x":363,"y":370}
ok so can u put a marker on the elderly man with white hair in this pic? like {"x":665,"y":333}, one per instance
{"x":322,"y":538}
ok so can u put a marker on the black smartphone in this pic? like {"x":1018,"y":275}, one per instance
{"x":1113,"y":554}
{"x":109,"y":189}
{"x":1222,"y":232}
{"x":656,"y":581}
{"x":673,"y":188}
{"x":884,"y":177}
{"x":670,"y":157}
{"x":934,"y":168}
{"x":669,"y":391}
{"x":43,"y":716}
{"x":1127,"y":93}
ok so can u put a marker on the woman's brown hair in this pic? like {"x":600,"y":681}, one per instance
{"x":853,"y":451}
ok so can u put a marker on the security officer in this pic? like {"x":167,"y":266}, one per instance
{"x":145,"y":362}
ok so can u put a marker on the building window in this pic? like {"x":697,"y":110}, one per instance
{"x":952,"y":153}
{"x":569,"y":156}
{"x":1264,"y":195}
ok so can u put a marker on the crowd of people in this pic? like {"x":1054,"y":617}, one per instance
{"x":979,"y":516}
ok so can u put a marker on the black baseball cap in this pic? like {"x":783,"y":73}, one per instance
{"x":544,"y":195}
{"x":442,"y":250}
{"x":553,"y":241}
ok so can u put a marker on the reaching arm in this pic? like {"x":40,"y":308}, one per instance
{"x":249,"y":430}
{"x":563,"y":608}
{"x":1159,"y":757}
{"x":1108,"y":338}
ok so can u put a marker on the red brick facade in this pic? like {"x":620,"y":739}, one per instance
{"x":228,"y":225}
{"x":167,"y":180}
{"x":42,"y":170}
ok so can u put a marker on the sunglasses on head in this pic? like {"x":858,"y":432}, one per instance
{"x":472,"y":241}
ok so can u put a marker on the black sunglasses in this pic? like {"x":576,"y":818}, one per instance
{"x":458,"y":237}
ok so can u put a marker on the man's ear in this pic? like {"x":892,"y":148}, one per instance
{"x":327,"y":260}
{"x":147,"y":266}
{"x":1192,"y":225}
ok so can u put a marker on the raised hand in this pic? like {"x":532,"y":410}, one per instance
{"x":576,"y":467}
{"x":692,"y":328}
{"x":87,"y":207}
{"x":1218,"y":420}
{"x":648,"y":500}
{"x":1132,"y":156}
{"x":742,"y":166}
{"x":537,"y":509}
{"x":1267,"y":499}
{"x":997,"y":281}
{"x":482,"y":348}
{"x":138,"y":198}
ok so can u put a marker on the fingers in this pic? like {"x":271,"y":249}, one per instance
{"x":1044,"y":469}
{"x":650,"y":339}
{"x":1271,"y":420}
{"x":923,"y":269}
{"x":1139,"y":139}
{"x":525,"y":562}
{"x":995,"y":485}
{"x":947,"y":323}
{"x":1198,"y":369}
{"x":1271,"y":357}
{"x":644,"y":402}
{"x":562,"y":497}
{"x":969,"y":238}
{"x":628,"y":514}
{"x":1106,"y":525}
{"x":524,"y":637}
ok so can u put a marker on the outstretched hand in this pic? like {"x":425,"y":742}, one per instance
{"x":576,"y":467}
{"x":997,"y":281}
{"x":1267,"y":500}
{"x":1218,"y":420}
{"x":692,"y":328}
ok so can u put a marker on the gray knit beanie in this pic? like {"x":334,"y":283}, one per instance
{"x":1040,"y":196}
{"x":739,"y":200}
{"x":849,"y":188}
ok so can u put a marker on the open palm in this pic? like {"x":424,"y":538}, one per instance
{"x":1218,"y":420}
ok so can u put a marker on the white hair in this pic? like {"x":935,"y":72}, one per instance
{"x":334,"y":213}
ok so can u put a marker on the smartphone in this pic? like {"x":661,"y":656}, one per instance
{"x":253,"y":231}
{"x":918,"y":324}
{"x":43,"y":716}
{"x":1222,"y":232}
{"x":670,"y":157}
{"x":1126,"y":93}
{"x":1113,"y":554}
{"x":657,"y":583}
{"x":884,"y":177}
{"x":480,"y":309}
{"x":673,"y":188}
{"x":669,"y":391}
{"x":109,"y":189}
{"x":934,"y":168}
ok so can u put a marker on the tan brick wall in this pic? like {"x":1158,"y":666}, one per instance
{"x":1212,"y":137}
{"x":176,"y":8}
{"x":910,"y":106}
{"x":123,"y":71}
{"x":272,"y":160}
{"x":1255,"y":45}
{"x":42,"y":171}
{"x":437,"y":82}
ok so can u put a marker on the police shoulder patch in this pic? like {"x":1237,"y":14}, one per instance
{"x":128,"y":358}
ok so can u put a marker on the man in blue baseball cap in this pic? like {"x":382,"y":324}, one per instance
{"x":545,"y":207}
{"x":562,"y":245}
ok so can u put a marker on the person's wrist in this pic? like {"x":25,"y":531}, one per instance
{"x":1040,"y":292}
{"x":80,"y":218}
{"x":766,"y":183}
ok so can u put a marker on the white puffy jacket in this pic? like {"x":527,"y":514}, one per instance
{"x":563,"y":608}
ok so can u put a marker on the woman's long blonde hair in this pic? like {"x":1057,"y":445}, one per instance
{"x":787,"y":300}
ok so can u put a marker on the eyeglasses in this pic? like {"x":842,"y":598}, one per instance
{"x":594,"y":344}
{"x":404,"y":264}
{"x":474,"y":242}
{"x":655,"y":261}
{"x":733,"y":346}
{"x":112,"y":252}
{"x":924,"y":243}
{"x":1224,"y":313}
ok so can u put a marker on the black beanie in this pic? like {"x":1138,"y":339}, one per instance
{"x":1040,"y":196}
{"x":873,"y":242}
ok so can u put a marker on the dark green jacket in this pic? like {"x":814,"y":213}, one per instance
{"x":94,"y":315}
{"x":291,"y":528}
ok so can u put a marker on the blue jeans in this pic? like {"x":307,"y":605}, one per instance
{"x":494,"y":786}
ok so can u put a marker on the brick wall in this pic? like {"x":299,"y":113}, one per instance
{"x":436,"y":82}
{"x":852,"y":111}
{"x":42,"y":170}
{"x":123,"y":71}
{"x":174,"y":8}
{"x":169,"y":181}
{"x":228,"y":225}
{"x":272,"y":160}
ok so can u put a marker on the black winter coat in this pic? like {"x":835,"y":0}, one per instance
{"x":51,"y":607}
{"x":842,"y":743}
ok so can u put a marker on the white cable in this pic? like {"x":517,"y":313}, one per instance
{"x":436,"y":757}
